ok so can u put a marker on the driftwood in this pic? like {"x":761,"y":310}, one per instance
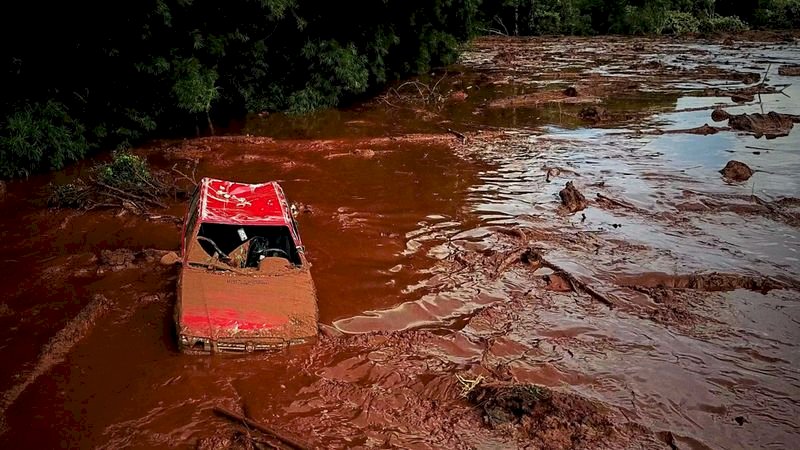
{"x":290,"y":441}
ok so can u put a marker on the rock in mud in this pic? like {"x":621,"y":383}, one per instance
{"x":571,"y":198}
{"x":557,"y":283}
{"x":2,"y":189}
{"x":593,"y":114}
{"x":718,"y":115}
{"x":571,"y":91}
{"x":737,"y":97}
{"x":736,"y":171}
{"x":170,"y":258}
{"x":790,"y":71}
{"x":770,"y":125}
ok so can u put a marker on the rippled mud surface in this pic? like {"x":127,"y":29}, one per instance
{"x":660,"y":312}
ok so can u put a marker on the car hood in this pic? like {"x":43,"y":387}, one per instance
{"x":231,"y":305}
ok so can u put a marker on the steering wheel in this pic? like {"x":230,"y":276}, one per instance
{"x":220,"y":254}
{"x":280,"y":252}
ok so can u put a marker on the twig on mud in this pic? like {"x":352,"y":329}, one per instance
{"x":468,"y":385}
{"x":290,"y":441}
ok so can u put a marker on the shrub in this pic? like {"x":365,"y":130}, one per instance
{"x":714,"y":23}
{"x":126,"y":171}
{"x":40,"y":136}
{"x":678,"y":22}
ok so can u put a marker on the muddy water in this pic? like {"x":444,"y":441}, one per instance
{"x":676,"y":309}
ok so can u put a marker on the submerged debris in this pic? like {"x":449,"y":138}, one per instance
{"x":771,"y":125}
{"x":736,"y":171}
{"x":593,"y":114}
{"x":571,"y":198}
{"x":544,"y":418}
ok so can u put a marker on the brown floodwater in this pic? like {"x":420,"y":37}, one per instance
{"x":671,"y":301}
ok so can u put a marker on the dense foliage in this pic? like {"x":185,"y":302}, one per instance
{"x":85,"y":75}
{"x":82,"y":75}
{"x":534,"y":17}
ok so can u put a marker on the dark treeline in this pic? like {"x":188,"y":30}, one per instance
{"x":587,"y":17}
{"x":87,"y":75}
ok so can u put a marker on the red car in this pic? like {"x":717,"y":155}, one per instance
{"x":245,"y":283}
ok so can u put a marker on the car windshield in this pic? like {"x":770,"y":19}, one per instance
{"x":245,"y":246}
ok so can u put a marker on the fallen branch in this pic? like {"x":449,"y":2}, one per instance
{"x":615,"y":202}
{"x":131,"y":196}
{"x":461,"y":135}
{"x":290,"y":441}
{"x":573,"y":280}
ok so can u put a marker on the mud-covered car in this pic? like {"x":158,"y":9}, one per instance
{"x":245,"y":283}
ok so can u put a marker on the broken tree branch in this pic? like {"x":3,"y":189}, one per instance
{"x":131,"y":196}
{"x":573,"y":280}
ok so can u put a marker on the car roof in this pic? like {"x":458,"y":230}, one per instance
{"x":231,"y":202}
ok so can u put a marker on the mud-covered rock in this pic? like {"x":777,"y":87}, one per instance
{"x":571,"y":91}
{"x":571,"y":198}
{"x":719,"y":115}
{"x":742,"y":97}
{"x":593,"y":114}
{"x":770,"y":125}
{"x":736,"y":171}
{"x":558,"y":283}
{"x":792,"y":70}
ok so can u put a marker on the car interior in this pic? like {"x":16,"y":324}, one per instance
{"x":244,"y":246}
